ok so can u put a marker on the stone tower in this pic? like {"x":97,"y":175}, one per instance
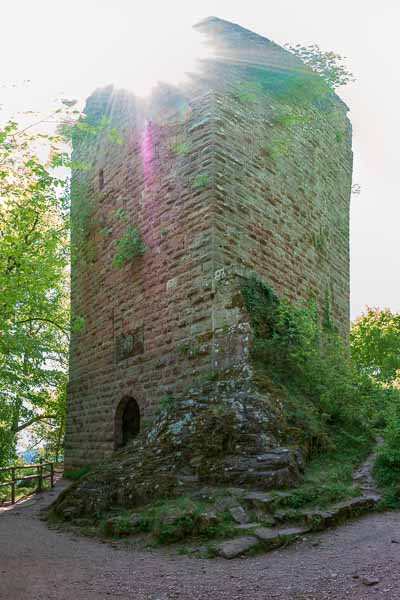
{"x":245,"y":171}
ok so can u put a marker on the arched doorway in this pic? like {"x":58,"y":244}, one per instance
{"x":127,"y":421}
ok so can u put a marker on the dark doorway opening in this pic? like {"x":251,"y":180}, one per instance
{"x":127,"y":421}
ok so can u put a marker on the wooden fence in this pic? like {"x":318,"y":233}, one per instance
{"x":42,"y":472}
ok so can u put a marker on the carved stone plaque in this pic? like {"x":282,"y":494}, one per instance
{"x":129,"y":344}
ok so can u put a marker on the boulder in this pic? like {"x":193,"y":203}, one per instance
{"x":239,"y":515}
{"x":207,"y":519}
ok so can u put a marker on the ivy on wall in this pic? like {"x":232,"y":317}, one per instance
{"x":128,"y":247}
{"x":297,"y":353}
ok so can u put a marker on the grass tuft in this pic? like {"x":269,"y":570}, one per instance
{"x":75,"y":474}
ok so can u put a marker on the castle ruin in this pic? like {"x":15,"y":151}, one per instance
{"x":243,"y":172}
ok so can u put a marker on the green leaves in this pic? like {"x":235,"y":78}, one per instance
{"x":375,"y":343}
{"x":34,"y":258}
{"x":329,"y":65}
{"x":114,"y":136}
{"x":77,"y":323}
{"x":128,"y":247}
{"x":308,"y":364}
{"x":122,"y":214}
{"x":79,"y":130}
{"x":34,"y":270}
{"x":201,"y":180}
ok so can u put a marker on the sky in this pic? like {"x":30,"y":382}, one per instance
{"x":68,"y":49}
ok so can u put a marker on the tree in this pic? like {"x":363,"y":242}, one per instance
{"x":34,"y":258}
{"x":375,"y":344}
{"x":47,"y":435}
{"x":34,"y":274}
{"x":329,"y":65}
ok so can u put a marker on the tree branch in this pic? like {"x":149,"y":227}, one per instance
{"x":32,"y":229}
{"x":42,"y":319}
{"x":32,"y":421}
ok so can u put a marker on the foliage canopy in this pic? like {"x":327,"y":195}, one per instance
{"x":34,"y":258}
{"x":375,"y":342}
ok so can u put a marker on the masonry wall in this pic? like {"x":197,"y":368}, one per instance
{"x":282,"y":198}
{"x":163,"y":299}
{"x":222,"y":179}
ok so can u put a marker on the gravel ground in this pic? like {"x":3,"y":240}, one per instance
{"x":38,"y":563}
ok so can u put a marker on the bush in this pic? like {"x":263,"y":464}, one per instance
{"x":305,"y":360}
{"x":387,"y":466}
{"x":123,"y":525}
{"x":329,"y":476}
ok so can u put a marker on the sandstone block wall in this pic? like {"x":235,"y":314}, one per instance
{"x":222,"y":179}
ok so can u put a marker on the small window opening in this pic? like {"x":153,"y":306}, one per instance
{"x":127,"y":421}
{"x":101,"y":179}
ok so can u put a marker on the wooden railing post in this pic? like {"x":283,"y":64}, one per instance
{"x":13,"y":485}
{"x":40,"y":471}
{"x":40,"y":474}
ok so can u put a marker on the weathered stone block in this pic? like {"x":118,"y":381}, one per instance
{"x":238,"y":546}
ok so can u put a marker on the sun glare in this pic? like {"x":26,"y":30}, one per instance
{"x":134,"y":62}
{"x":168,"y":60}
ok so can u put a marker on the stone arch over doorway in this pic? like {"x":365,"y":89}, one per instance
{"x":127,"y":421}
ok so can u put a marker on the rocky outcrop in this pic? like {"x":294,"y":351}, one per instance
{"x":221,"y":434}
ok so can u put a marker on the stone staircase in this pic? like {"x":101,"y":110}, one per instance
{"x":308,"y":521}
{"x":286,"y":526}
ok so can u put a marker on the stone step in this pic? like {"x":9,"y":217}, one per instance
{"x":272,"y":537}
{"x":334,"y":514}
{"x":266,"y":502}
{"x":269,"y":479}
{"x":269,"y":538}
{"x":263,"y":538}
{"x":239,"y":515}
{"x":318,"y":519}
{"x":259,"y":500}
{"x":237,"y":546}
{"x":247,"y":526}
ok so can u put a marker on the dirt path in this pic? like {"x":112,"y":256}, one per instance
{"x":363,"y":477}
{"x":37,"y":563}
